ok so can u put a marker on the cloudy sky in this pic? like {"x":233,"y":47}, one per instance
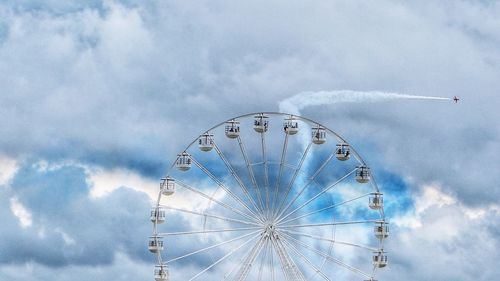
{"x":98,"y":97}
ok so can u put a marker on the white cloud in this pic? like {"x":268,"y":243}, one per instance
{"x":23,"y":214}
{"x":8,"y":167}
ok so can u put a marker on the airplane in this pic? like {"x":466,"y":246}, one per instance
{"x":456,"y":99}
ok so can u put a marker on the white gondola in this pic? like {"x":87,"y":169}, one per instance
{"x":343,"y":151}
{"x":158,"y":215}
{"x":291,"y":126}
{"x":363,"y":174}
{"x":232,"y":129}
{"x":155,"y":244}
{"x":183,"y":162}
{"x":167,"y":186}
{"x":381,"y":230}
{"x":376,"y":201}
{"x":379,"y":259}
{"x":161,"y":273}
{"x":318,"y":135}
{"x":260,"y":124}
{"x":206,"y":142}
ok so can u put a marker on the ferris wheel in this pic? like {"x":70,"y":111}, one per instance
{"x":268,"y":196}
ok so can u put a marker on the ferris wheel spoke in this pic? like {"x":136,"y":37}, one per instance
{"x":307,"y":261}
{"x":280,"y":173}
{"x":266,"y":171}
{"x":226,"y":206}
{"x":317,"y":195}
{"x":329,"y":224}
{"x":225,"y":188}
{"x":163,"y":234}
{"x":311,"y":179}
{"x":326,"y":208}
{"x":271,"y":260}
{"x":262,"y":260}
{"x":251,"y":173}
{"x":247,"y":263}
{"x":211,"y":247}
{"x":210,"y":215}
{"x":236,"y":177}
{"x":334,"y":241}
{"x":328,"y":257}
{"x":237,"y":265}
{"x":223,"y":258}
{"x":292,"y":181}
{"x":289,"y":267}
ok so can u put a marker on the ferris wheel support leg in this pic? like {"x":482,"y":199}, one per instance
{"x":262,"y":260}
{"x":318,"y":195}
{"x":249,"y":260}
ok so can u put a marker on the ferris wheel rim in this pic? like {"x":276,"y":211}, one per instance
{"x":276,"y":113}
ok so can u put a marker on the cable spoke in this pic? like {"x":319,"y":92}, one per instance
{"x":280,"y":173}
{"x":250,"y":173}
{"x":326,"y":208}
{"x":249,"y":260}
{"x":226,"y":206}
{"x":207,"y":231}
{"x":262,"y":260}
{"x":318,"y":195}
{"x":209,"y":215}
{"x":289,"y":267}
{"x":211,"y":247}
{"x":328,"y":257}
{"x":223,"y":258}
{"x":297,"y":252}
{"x":330,"y":223}
{"x":330,"y":240}
{"x":236,"y":177}
{"x":223,"y":186}
{"x":311,"y":179}
{"x":292,"y":181}
{"x":266,"y":172}
{"x":237,"y":265}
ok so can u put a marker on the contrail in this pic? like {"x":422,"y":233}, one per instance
{"x":296,"y":103}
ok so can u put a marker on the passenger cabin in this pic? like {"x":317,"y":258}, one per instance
{"x":260,"y":124}
{"x":158,"y":215}
{"x":206,"y":142}
{"x":183,"y":162}
{"x":155,"y":244}
{"x":381,"y":230}
{"x":363,"y":174}
{"x":161,"y":273}
{"x":232,"y":129}
{"x":343,"y":152}
{"x":379,"y":259}
{"x":291,"y":126}
{"x":318,"y":135}
{"x":376,"y":201}
{"x":167,"y":186}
